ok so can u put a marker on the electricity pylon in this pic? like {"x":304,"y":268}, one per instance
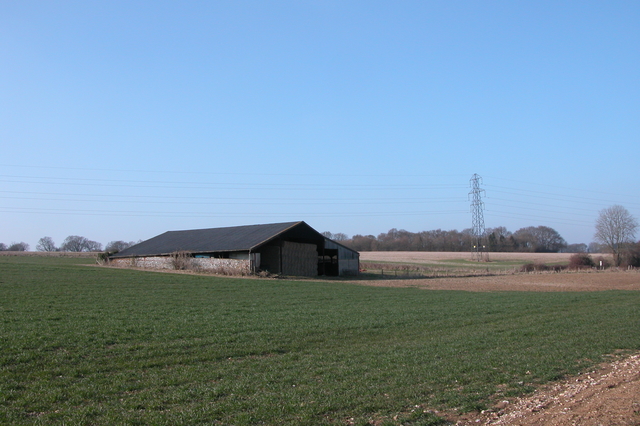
{"x":477,"y":206}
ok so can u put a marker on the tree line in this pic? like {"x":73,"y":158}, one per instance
{"x":529,"y":239}
{"x":615,"y":232}
{"x":73,"y":243}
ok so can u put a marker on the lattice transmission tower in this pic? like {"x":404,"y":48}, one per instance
{"x":477,"y":207}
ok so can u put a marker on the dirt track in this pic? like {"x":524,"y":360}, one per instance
{"x":607,"y":396}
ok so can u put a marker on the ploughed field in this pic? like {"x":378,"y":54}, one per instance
{"x":435,"y":256}
{"x":451,"y":261}
{"x":86,"y":345}
{"x":456,"y":271}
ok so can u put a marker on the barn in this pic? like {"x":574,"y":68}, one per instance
{"x":290,"y":248}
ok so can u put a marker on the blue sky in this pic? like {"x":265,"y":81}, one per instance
{"x":121,"y":120}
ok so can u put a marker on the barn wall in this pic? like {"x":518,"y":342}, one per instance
{"x":349,"y":267}
{"x":299,"y":259}
{"x":348,"y":260}
{"x":270,"y":259}
{"x":226,"y":266}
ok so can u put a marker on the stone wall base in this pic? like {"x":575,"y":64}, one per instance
{"x":211,"y":265}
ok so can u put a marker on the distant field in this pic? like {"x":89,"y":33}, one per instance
{"x":436,"y":257}
{"x":48,"y":254}
{"x":102,"y":346}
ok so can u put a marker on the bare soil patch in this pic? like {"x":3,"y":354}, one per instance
{"x":607,"y":396}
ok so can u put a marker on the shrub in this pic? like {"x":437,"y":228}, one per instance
{"x":531,"y":267}
{"x":102,"y":258}
{"x":181,"y":260}
{"x":631,"y":256}
{"x":541,"y":267}
{"x":232,"y":270}
{"x":581,"y":261}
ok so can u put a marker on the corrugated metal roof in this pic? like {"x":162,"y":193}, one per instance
{"x":235,"y":238}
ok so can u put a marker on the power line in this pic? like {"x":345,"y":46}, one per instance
{"x":42,"y":180}
{"x":210,"y":173}
{"x":357,"y":197}
{"x":237,"y":201}
{"x":86,"y":212}
{"x":558,"y":197}
{"x":573,"y":190}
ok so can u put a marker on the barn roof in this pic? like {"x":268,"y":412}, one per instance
{"x":211,"y":240}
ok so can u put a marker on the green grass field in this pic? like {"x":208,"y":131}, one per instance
{"x":83,"y":345}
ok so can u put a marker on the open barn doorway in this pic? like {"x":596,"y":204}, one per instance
{"x":328,"y":263}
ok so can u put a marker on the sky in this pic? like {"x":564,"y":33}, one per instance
{"x":120,"y":120}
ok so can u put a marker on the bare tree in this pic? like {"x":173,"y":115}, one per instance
{"x":3,"y":247}
{"x":632,"y":255}
{"x":499,"y":239}
{"x":363,"y":243}
{"x":93,"y":246}
{"x":549,"y":240}
{"x":116,"y":246}
{"x":22,"y":246}
{"x":615,"y":227}
{"x":77,"y":243}
{"x":340,"y":237}
{"x":596,"y":247}
{"x":73,"y":243}
{"x":576,"y":248}
{"x":46,"y":244}
{"x":539,"y":239}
